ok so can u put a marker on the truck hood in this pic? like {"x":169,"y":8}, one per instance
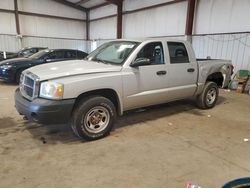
{"x":71,"y":68}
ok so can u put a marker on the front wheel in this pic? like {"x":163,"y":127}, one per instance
{"x":17,"y":76}
{"x":93,"y":118}
{"x":207,"y":99}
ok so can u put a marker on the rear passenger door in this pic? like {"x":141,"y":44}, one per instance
{"x":182,"y":72}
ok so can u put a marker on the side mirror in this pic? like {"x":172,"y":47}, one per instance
{"x":140,"y":62}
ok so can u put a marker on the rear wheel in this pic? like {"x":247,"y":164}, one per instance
{"x":93,"y":118}
{"x":207,"y":99}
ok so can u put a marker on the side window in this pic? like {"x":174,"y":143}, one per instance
{"x":178,"y":53}
{"x":33,"y":50}
{"x":51,"y":55}
{"x":55,"y":55}
{"x":71,"y":54}
{"x":152,"y":51}
{"x":59,"y":54}
{"x":81,"y":55}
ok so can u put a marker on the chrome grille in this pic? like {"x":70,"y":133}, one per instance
{"x":29,"y":85}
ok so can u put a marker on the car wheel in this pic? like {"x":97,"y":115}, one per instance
{"x":207,"y":99}
{"x":18,"y":75}
{"x":93,"y":118}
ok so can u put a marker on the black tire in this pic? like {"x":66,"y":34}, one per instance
{"x":93,"y":118}
{"x":206,"y":100}
{"x":18,"y":75}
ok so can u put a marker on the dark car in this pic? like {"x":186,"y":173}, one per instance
{"x":25,"y":52}
{"x":10,"y":70}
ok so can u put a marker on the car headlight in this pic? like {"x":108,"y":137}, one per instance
{"x":51,"y":90}
{"x":5,"y":66}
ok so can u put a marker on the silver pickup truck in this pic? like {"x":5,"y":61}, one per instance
{"x":118,"y":76}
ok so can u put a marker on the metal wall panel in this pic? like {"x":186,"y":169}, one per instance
{"x":7,"y":4}
{"x":7,"y":23}
{"x":135,"y":4}
{"x":235,"y":47}
{"x":222,"y":16}
{"x":54,"y":43}
{"x":103,"y":11}
{"x":162,"y":21}
{"x":103,"y":29}
{"x":49,"y":7}
{"x":48,"y":27}
{"x":9,"y":43}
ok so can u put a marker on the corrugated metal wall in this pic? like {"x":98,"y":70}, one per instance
{"x":40,"y":31}
{"x":158,"y":22}
{"x":9,"y":43}
{"x":220,"y":16}
{"x":162,"y":21}
{"x":12,"y":43}
{"x":235,"y":47}
{"x":55,"y":43}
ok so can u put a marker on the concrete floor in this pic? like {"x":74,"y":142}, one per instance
{"x":163,"y":146}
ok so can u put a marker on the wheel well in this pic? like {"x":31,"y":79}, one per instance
{"x":107,"y":93}
{"x":17,"y":71}
{"x":216,"y":77}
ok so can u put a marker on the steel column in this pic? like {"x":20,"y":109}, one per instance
{"x":190,"y":17}
{"x":16,"y":17}
{"x":119,"y":20}
{"x":87,"y":25}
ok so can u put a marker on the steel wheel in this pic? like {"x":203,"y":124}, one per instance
{"x":211,"y":96}
{"x":96,"y":119}
{"x":207,"y":99}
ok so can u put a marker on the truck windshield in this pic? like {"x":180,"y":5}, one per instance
{"x":115,"y":52}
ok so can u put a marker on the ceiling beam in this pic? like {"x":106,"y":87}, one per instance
{"x":73,"y":5}
{"x":116,"y":2}
{"x":81,"y":2}
{"x":98,"y":6}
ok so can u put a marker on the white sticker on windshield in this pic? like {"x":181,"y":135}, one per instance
{"x":124,"y":46}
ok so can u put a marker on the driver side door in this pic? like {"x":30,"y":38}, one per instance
{"x":146,"y":85}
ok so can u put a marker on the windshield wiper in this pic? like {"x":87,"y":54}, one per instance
{"x":101,"y":61}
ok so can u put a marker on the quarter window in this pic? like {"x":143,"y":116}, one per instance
{"x":177,"y":52}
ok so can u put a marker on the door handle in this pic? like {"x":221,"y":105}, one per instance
{"x":191,"y":70}
{"x":161,"y":73}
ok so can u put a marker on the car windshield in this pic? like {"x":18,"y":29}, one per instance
{"x":39,"y":54}
{"x":115,"y":52}
{"x":26,"y":52}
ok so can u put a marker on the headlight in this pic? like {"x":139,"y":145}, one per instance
{"x":21,"y":79}
{"x":5,"y":66}
{"x":51,"y":90}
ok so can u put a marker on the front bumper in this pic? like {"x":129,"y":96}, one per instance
{"x":44,"y":111}
{"x":7,"y":75}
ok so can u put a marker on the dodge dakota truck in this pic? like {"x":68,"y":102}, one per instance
{"x":118,"y":76}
